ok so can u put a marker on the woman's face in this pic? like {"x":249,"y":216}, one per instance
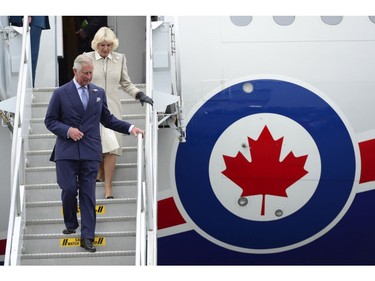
{"x":104,"y":49}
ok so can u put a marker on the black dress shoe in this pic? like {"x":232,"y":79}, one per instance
{"x":110,"y":197}
{"x":87,"y":245}
{"x":69,"y":231}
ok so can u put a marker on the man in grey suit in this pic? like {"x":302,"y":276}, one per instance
{"x":78,"y":150}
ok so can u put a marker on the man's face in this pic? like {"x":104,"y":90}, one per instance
{"x":84,"y":76}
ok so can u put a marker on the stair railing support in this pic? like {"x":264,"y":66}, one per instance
{"x":140,"y":254}
{"x":15,"y":215}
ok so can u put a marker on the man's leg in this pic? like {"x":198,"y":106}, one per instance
{"x":66,"y":172}
{"x":87,"y":197}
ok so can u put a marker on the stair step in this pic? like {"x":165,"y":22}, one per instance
{"x":47,"y":140}
{"x":56,"y":186}
{"x":129,"y":106}
{"x":42,"y":141}
{"x":124,"y":171}
{"x":60,"y":243}
{"x":38,"y":127}
{"x":40,"y":158}
{"x":76,"y":235}
{"x":44,"y":94}
{"x":50,"y":226}
{"x":52,"y":192}
{"x":104,"y":207}
{"x":81,"y":258}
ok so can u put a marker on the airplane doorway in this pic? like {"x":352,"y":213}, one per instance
{"x":131,"y":32}
{"x":70,"y":25}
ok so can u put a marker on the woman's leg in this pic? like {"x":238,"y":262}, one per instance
{"x":100,"y":176}
{"x":109,"y":172}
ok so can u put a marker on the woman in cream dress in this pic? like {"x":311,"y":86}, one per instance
{"x":110,"y":72}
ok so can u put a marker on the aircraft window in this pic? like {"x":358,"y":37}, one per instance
{"x":284,"y":20}
{"x":247,"y":87}
{"x":332,"y":20}
{"x":241,"y":20}
{"x":372,"y":18}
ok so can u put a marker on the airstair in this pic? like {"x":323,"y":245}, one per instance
{"x":126,"y":225}
{"x":43,"y":242}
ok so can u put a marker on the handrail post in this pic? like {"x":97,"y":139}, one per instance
{"x":140,"y":205}
{"x":14,"y":208}
{"x":145,"y":198}
{"x":151,"y":155}
{"x":153,"y":188}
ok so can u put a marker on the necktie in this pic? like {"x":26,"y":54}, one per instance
{"x":85,"y":97}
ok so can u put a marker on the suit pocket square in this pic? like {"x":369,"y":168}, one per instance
{"x":98,"y":99}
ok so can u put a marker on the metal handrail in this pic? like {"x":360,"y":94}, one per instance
{"x":12,"y":246}
{"x":176,"y":79}
{"x":141,"y":207}
{"x":11,"y":253}
{"x":151,"y":157}
{"x":146,"y":197}
{"x":146,"y":204}
{"x":152,"y":194}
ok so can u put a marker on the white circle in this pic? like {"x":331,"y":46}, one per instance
{"x":247,"y":87}
{"x":295,"y":140}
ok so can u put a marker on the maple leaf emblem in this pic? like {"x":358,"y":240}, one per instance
{"x":265,"y":174}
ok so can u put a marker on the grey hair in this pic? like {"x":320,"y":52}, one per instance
{"x":104,"y":34}
{"x":81,"y":60}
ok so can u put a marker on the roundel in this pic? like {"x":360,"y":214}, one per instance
{"x":268,"y":165}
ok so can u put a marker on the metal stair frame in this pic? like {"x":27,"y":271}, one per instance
{"x":146,"y":241}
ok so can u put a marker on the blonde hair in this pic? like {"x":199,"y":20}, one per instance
{"x":104,"y":34}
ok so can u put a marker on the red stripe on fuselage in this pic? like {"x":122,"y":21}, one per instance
{"x":2,"y":246}
{"x":168,"y":214}
{"x":367,"y":151}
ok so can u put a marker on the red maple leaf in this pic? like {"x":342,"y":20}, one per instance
{"x":265,"y":174}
